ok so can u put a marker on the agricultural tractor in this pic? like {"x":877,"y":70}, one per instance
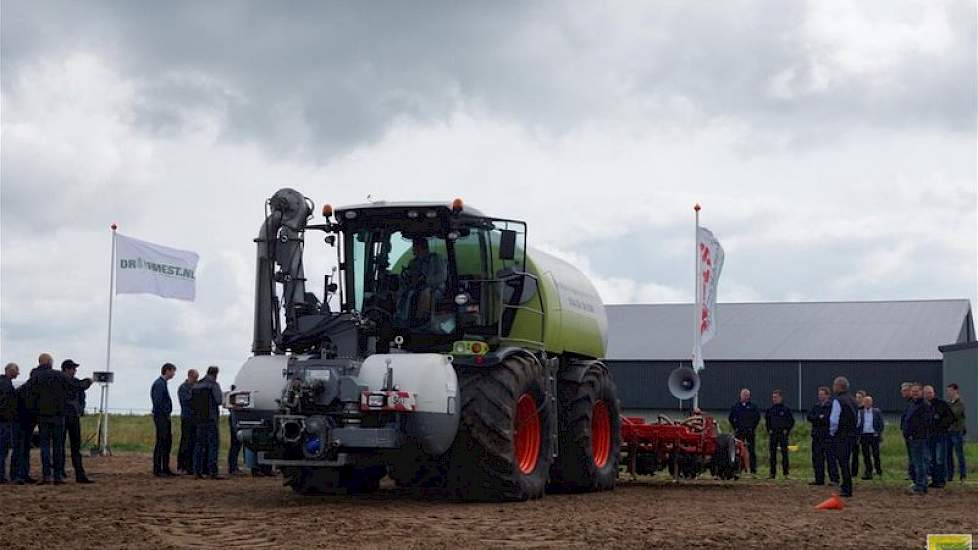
{"x":444,"y":353}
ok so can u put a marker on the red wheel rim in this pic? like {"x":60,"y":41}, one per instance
{"x":600,"y":433}
{"x":526,"y":434}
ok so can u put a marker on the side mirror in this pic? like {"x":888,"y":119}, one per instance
{"x":507,"y":245}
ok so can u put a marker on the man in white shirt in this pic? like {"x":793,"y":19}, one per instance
{"x":870,"y":426}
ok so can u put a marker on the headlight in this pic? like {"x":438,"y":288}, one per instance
{"x":375,"y":401}
{"x":242,"y":399}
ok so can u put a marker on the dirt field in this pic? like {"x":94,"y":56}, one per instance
{"x":128,"y":508}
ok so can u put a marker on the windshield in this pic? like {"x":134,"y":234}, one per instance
{"x":403,"y":277}
{"x":434,"y":281}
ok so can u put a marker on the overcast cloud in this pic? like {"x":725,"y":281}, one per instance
{"x":833,"y":146}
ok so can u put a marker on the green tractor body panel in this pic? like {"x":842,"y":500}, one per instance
{"x":575,"y":317}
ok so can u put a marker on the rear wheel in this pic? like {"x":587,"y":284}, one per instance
{"x":503,"y":448}
{"x":590,"y":434}
{"x":726,"y":461}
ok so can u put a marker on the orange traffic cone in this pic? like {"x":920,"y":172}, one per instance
{"x":831,"y":503}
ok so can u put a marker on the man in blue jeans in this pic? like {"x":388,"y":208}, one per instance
{"x":47,"y":396}
{"x":8,"y":420}
{"x":918,"y":421}
{"x":937,"y":442}
{"x":955,"y":434}
{"x":206,"y":397}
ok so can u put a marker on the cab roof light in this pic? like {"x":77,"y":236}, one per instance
{"x":457,"y":205}
{"x":327,"y":210}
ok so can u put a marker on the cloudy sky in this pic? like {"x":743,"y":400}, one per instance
{"x":832,"y":145}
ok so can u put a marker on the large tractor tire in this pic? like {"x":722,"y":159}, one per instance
{"x":334,"y":481}
{"x":726,"y":460}
{"x":503,"y":449}
{"x":590,"y":433}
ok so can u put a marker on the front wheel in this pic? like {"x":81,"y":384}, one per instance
{"x":503,"y":448}
{"x":590,"y":433}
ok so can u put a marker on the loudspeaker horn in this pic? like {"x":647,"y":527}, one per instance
{"x":684,"y":383}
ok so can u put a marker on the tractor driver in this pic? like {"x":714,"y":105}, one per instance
{"x":422,"y":283}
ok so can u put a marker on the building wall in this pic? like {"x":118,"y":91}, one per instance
{"x":642,"y":384}
{"x":961,"y":367}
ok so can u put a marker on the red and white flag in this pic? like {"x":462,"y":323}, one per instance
{"x":709,"y":264}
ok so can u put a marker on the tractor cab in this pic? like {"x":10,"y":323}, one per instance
{"x":431,"y":275}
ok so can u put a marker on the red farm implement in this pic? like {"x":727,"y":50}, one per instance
{"x":683,"y":447}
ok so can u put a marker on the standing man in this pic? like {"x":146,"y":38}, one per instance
{"x":905,"y":394}
{"x":818,"y":416}
{"x":74,"y":409}
{"x":937,"y":440}
{"x":778,"y":421}
{"x":206,"y":399}
{"x":24,"y":429}
{"x":162,"y":409}
{"x":918,"y":419}
{"x":870,"y":429}
{"x":8,"y":419}
{"x":744,"y":418}
{"x":48,"y":394}
{"x":854,"y":467}
{"x":188,"y":434}
{"x":842,"y":429}
{"x":955,"y":434}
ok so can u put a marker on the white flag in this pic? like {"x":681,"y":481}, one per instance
{"x":709,"y":265}
{"x":147,"y":268}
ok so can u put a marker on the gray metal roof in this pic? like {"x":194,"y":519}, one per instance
{"x":904,"y":330}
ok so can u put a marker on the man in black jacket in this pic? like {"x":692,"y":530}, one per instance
{"x":74,"y":409}
{"x":905,"y":389}
{"x":8,"y":420}
{"x":842,"y":429}
{"x":48,"y":392}
{"x":188,"y":434}
{"x":854,"y":464}
{"x":917,"y":422}
{"x":778,"y":421}
{"x":744,"y":418}
{"x":937,"y":440}
{"x":24,"y":429}
{"x":818,"y":416}
{"x":162,"y":409}
{"x":206,"y":400}
{"x":870,"y":426}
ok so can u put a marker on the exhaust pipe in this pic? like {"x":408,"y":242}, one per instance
{"x":291,"y":431}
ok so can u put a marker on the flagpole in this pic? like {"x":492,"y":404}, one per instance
{"x":697,"y":308}
{"x":104,"y":443}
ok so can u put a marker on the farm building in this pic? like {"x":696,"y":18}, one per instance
{"x":794,"y":346}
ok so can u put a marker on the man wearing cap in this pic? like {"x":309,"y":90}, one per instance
{"x":47,"y":396}
{"x":8,"y":419}
{"x":74,"y":409}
